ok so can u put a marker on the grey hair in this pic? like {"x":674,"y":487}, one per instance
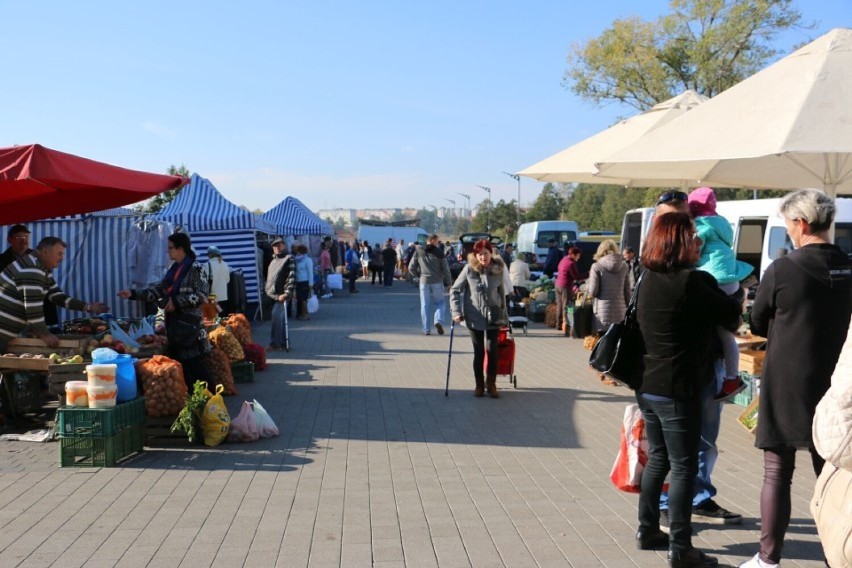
{"x":812,"y":205}
{"x":49,"y":242}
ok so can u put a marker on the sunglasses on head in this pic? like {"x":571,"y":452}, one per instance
{"x":672,"y":196}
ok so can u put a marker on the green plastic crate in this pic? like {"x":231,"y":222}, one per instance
{"x":744,"y":397}
{"x":243,"y":372}
{"x":74,"y":422}
{"x":101,"y":452}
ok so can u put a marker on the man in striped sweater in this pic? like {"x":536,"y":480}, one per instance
{"x":25,"y":284}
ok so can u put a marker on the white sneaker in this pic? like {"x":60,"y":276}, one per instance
{"x":756,"y":562}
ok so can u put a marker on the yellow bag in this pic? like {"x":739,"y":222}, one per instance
{"x":215,"y":420}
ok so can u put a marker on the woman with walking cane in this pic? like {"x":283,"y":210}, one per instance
{"x":478,"y":298}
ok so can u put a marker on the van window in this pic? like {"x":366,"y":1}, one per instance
{"x":779,"y":239}
{"x":632,"y":235}
{"x":561,"y":237}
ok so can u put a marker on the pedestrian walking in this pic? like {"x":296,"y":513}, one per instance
{"x":431,"y":268}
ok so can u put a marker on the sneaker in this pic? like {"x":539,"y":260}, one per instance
{"x":711,"y":512}
{"x":664,"y":520}
{"x":756,"y":562}
{"x":730,"y":387}
{"x":273,"y":348}
{"x":439,"y":327}
{"x":427,"y":332}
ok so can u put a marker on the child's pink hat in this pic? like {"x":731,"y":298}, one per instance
{"x":702,"y":202}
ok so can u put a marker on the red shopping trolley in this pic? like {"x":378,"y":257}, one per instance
{"x":505,"y":355}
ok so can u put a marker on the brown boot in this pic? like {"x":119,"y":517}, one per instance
{"x":479,"y":391}
{"x":491,"y":387}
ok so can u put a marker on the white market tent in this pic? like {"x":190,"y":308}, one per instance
{"x":211,"y":219}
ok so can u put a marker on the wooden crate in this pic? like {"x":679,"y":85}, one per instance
{"x":748,"y":417}
{"x":750,"y":341}
{"x":18,"y":364}
{"x":751,"y":361}
{"x":68,"y":345}
{"x":58,"y":375}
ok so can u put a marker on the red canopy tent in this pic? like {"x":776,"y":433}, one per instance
{"x":38,"y":183}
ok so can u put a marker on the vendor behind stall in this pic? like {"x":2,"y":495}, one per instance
{"x":24,"y":286}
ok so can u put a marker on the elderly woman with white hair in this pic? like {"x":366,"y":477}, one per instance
{"x":803,"y":308}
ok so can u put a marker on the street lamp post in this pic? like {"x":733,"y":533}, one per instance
{"x":466,"y":196}
{"x":488,"y":218}
{"x":517,"y":179}
{"x":454,"y":204}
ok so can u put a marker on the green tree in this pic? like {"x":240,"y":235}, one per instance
{"x":547,"y":206}
{"x":703,"y":45}
{"x":481,"y":216}
{"x":159,"y":201}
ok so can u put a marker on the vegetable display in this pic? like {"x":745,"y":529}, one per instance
{"x":239,"y":325}
{"x":225,"y":341}
{"x":189,"y":417}
{"x":219,"y":366}
{"x":162,"y":384}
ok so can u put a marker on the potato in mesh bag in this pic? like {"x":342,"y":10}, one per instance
{"x":225,"y":340}
{"x":219,"y":366}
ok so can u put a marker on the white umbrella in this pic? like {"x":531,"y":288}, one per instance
{"x":577,"y":163}
{"x":786,"y":127}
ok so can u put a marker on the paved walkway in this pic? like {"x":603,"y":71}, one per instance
{"x":375,"y":467}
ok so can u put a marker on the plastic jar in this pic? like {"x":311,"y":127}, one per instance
{"x":101,"y":397}
{"x":101,"y":375}
{"x":76,"y":395}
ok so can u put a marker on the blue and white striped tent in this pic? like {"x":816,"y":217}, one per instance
{"x":210,"y":219}
{"x":292,"y":217}
{"x":96,"y":264}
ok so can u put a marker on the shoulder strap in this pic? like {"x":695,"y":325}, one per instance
{"x":631,"y":307}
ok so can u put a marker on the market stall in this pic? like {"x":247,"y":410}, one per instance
{"x":210,"y":219}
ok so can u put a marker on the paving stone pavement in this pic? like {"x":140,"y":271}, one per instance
{"x":376,"y":467}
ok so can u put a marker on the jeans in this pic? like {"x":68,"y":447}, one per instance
{"x":673,"y":428}
{"x":432,"y":297}
{"x":711,"y":421}
{"x":279,"y":315}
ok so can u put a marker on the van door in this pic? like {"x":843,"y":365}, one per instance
{"x":749,"y":235}
{"x":632,"y":229}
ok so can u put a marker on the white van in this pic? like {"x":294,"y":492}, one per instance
{"x":635,"y":226}
{"x":380,"y":233}
{"x":760,"y":235}
{"x":533,"y":237}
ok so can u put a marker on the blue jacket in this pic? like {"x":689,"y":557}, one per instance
{"x":717,"y":256}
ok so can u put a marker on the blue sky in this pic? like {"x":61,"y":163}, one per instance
{"x":340,"y":104}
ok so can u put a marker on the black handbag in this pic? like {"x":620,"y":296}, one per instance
{"x":183,"y":329}
{"x":620,"y":351}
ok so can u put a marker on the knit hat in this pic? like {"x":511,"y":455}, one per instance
{"x":278,"y":241}
{"x":213,"y":251}
{"x":702,"y":202}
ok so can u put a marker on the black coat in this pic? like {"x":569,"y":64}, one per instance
{"x":677,"y":313}
{"x":802,"y":307}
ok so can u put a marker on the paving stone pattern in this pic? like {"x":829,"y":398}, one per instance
{"x":376,"y":467}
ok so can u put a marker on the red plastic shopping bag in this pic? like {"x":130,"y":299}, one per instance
{"x":633,"y":451}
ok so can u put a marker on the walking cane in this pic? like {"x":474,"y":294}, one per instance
{"x":450,"y":357}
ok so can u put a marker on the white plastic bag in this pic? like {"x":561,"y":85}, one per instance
{"x":244,"y":427}
{"x":335,"y":281}
{"x":265,"y":426}
{"x":313,"y":304}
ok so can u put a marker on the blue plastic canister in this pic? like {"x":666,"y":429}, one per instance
{"x":125,"y":377}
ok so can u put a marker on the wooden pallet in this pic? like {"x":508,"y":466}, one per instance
{"x":158,"y":432}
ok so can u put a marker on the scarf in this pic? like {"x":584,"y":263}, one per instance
{"x":175,"y":275}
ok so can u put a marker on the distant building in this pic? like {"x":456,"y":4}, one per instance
{"x":348,"y":216}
